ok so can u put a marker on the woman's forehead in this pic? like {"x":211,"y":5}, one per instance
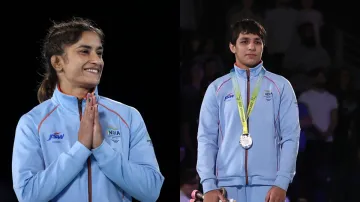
{"x":89,"y":40}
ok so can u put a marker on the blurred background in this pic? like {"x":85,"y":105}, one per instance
{"x":312,"y":45}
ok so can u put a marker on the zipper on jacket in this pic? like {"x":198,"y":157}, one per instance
{"x":88,"y":160}
{"x":248,"y":99}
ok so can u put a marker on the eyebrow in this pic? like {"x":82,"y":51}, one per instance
{"x":247,"y":38}
{"x":89,"y":47}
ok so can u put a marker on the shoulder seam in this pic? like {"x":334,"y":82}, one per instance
{"x":46,"y":116}
{"x":221,"y":85}
{"x":113,"y":111}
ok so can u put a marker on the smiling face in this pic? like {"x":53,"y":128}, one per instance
{"x":248,"y":50}
{"x":82,"y":64}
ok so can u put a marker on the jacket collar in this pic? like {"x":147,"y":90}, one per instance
{"x":254,"y":72}
{"x":70,"y":102}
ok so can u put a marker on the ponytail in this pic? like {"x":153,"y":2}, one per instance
{"x":46,"y":88}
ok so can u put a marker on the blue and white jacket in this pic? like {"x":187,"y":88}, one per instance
{"x":50,"y":164}
{"x":273,"y":125}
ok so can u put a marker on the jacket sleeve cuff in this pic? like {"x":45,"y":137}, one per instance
{"x":282,"y":182}
{"x":103,"y":153}
{"x":209,"y":185}
{"x":79,"y":152}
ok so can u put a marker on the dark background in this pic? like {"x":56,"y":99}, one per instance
{"x":140,"y":70}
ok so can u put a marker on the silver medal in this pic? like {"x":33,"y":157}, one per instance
{"x":246,"y":141}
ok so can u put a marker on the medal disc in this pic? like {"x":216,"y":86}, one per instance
{"x":246,"y":141}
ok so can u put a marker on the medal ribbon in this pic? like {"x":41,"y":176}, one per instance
{"x":239,"y":100}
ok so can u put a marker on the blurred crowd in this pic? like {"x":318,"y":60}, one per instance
{"x":300,"y":47}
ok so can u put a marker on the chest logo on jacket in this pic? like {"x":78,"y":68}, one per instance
{"x":56,"y":137}
{"x":114,"y":134}
{"x":229,"y":96}
{"x":268,"y":95}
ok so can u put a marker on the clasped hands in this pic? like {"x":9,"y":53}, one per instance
{"x":90,"y":129}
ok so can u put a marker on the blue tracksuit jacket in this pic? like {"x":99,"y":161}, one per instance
{"x":273,"y":125}
{"x":50,"y":164}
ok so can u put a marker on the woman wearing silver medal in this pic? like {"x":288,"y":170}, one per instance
{"x":249,"y":129}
